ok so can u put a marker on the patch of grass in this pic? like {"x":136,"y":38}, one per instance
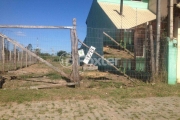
{"x":21,"y":96}
{"x":100,"y":90}
{"x":101,"y":84}
{"x":54,"y":76}
{"x":59,"y":111}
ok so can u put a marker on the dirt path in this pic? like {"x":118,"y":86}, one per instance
{"x":131,"y":109}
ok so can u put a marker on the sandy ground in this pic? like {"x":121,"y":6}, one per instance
{"x":163,"y":108}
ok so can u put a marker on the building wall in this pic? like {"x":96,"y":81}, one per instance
{"x":97,"y":22}
{"x":178,"y":57}
{"x":164,"y":7}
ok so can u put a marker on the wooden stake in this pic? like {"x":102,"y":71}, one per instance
{"x":15,"y":60}
{"x":22,"y":59}
{"x":10,"y":56}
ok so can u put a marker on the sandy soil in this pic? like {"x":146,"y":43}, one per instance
{"x":115,"y":53}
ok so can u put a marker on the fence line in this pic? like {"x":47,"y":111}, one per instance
{"x":124,"y":52}
{"x":14,"y":57}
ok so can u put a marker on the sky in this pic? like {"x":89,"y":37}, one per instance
{"x":48,"y":13}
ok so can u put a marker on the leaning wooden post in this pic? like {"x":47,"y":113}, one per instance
{"x":152,"y":52}
{"x":74,"y":44}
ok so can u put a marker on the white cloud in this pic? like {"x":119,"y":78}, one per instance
{"x":19,"y":33}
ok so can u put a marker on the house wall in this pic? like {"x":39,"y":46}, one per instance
{"x":97,"y":22}
{"x":178,"y":57}
{"x":164,"y":7}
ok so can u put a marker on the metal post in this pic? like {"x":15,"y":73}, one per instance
{"x":158,"y":27}
{"x":121,"y":7}
{"x":170,"y":19}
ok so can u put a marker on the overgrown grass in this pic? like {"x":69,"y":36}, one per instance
{"x":51,"y":75}
{"x":101,"y":92}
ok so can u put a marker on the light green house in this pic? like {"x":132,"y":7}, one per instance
{"x":126,"y":29}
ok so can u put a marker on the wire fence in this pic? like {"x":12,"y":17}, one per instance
{"x":123,"y":52}
{"x":112,"y":43}
{"x":129,"y":51}
{"x":13,"y":57}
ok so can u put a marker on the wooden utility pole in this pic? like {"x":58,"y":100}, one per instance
{"x":158,"y":28}
{"x":152,"y":51}
{"x":170,"y":19}
{"x":74,"y":44}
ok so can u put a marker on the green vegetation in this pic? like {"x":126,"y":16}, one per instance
{"x":95,"y":91}
{"x":53,"y":76}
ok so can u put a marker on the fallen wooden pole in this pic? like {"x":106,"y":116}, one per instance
{"x":118,"y":43}
{"x":50,"y":86}
{"x":107,"y":61}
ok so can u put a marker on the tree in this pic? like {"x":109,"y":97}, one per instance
{"x":29,"y":47}
{"x":45,"y":54}
{"x":61,"y":52}
{"x":37,"y":51}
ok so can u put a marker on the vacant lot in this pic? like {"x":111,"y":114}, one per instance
{"x":102,"y":96}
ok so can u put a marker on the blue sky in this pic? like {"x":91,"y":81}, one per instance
{"x":44,"y":12}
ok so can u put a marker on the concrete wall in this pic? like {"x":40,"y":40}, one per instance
{"x":164,"y":7}
{"x":178,"y":57}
